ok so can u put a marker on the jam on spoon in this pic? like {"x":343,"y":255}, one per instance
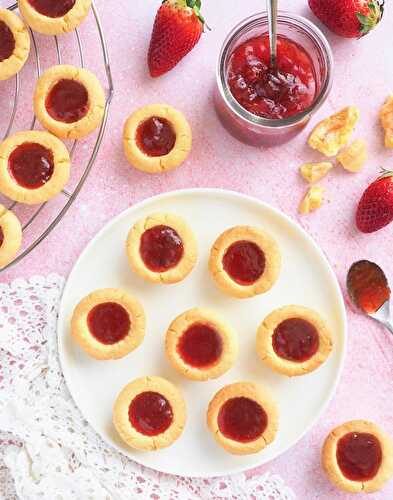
{"x":369,"y":290}
{"x":367,"y":286}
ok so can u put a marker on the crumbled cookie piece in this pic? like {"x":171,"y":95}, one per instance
{"x":386,"y":117}
{"x":312,"y":201}
{"x":314,"y":172}
{"x":331,"y":134}
{"x":354,"y":156}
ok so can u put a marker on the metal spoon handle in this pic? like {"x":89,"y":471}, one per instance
{"x":272,"y":18}
{"x":389,"y":324}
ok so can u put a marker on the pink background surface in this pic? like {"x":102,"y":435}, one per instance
{"x":363,"y":77}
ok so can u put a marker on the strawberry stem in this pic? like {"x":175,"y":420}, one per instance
{"x":195,"y":5}
{"x":385,"y":173}
{"x":370,"y":20}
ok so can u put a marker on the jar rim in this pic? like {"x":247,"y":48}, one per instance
{"x":308,"y":27}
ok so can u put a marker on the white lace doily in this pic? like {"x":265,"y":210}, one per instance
{"x":47,"y":450}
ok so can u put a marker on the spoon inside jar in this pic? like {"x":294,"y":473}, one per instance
{"x":369,"y":290}
{"x":272,"y":19}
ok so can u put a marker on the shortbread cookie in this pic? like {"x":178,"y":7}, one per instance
{"x":34,"y":167}
{"x":149,"y":413}
{"x":162,"y":248}
{"x":108,"y":324}
{"x":157,"y":138}
{"x":14,"y":44}
{"x":245,"y":261}
{"x":294,"y":340}
{"x":69,"y":101}
{"x":54,"y":17}
{"x":201,"y":345}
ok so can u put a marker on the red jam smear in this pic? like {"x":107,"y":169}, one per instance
{"x":242,"y":419}
{"x":368,"y":285}
{"x":359,"y":456}
{"x":31,"y":165}
{"x":1,"y":236}
{"x":277,"y":93}
{"x":155,"y":136}
{"x":52,"y":8}
{"x":7,"y":42}
{"x":161,"y":248}
{"x":67,"y":101}
{"x":150,"y":413}
{"x":244,"y":261}
{"x":200,"y":346}
{"x":295,"y":339}
{"x":109,"y":323}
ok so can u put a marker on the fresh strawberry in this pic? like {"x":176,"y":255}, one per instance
{"x":375,"y":209}
{"x":177,"y":29}
{"x":348,"y":18}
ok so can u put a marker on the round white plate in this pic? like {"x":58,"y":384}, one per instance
{"x":306,"y":279}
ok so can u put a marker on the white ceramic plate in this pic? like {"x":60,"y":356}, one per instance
{"x":306,"y":279}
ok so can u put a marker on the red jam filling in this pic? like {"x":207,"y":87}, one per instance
{"x":155,"y":136}
{"x":200,"y":346}
{"x":161,"y":248}
{"x":31,"y":165}
{"x":359,"y":456}
{"x":1,"y":236}
{"x":242,"y":419}
{"x":276,"y":93}
{"x":150,"y":413}
{"x":67,"y":101}
{"x":109,"y":323}
{"x":295,"y":339}
{"x":369,"y":286}
{"x":52,"y":8}
{"x":7,"y":42}
{"x":244,"y":261}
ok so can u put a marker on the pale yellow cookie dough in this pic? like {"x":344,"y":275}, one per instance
{"x":334,"y":132}
{"x":186,"y":263}
{"x":251,"y":391}
{"x":12,"y":236}
{"x":61,"y":172}
{"x":82,"y":335}
{"x":96,"y":101}
{"x":157,"y":164}
{"x":122,"y":423}
{"x":213,"y":320}
{"x":271,"y":253}
{"x":264,"y":341}
{"x":54,"y":25}
{"x":13,"y":64}
{"x":332,"y":469}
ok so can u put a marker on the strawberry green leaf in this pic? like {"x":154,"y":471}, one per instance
{"x":371,"y":19}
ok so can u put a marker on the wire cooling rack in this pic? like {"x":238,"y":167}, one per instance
{"x":68,"y":196}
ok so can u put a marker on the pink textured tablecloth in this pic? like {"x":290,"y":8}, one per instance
{"x":363,"y":76}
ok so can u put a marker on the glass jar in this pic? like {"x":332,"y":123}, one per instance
{"x":254,"y":129}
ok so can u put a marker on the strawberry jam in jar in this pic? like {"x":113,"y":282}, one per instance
{"x":261,"y":105}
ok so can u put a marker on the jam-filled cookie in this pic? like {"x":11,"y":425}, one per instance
{"x":108,"y":324}
{"x":201,"y":345}
{"x":10,"y":236}
{"x":14,"y":44}
{"x":149,"y":413}
{"x":358,"y":457}
{"x":157,"y":138}
{"x":54,"y":17}
{"x":243,"y":418}
{"x":69,"y":101}
{"x":34,"y":167}
{"x":162,"y":248}
{"x":245,"y":261}
{"x":294,"y":340}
